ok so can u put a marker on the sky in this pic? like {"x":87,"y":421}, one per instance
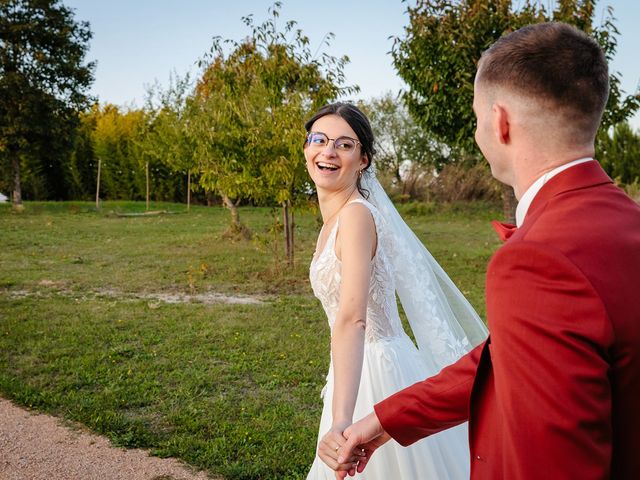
{"x":139,"y":42}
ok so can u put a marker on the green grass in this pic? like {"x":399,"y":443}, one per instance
{"x":230,"y":388}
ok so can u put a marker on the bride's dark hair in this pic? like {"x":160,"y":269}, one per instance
{"x":358,"y":122}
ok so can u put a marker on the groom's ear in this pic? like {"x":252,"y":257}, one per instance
{"x":501,"y":125}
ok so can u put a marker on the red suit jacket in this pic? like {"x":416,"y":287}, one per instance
{"x":554,"y":392}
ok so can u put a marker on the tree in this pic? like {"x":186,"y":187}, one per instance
{"x":114,"y":145}
{"x":168,"y":138}
{"x":403,"y":148}
{"x":620,"y":154}
{"x":43,"y":80}
{"x":252,"y":103}
{"x":443,"y":43}
{"x":82,"y":159}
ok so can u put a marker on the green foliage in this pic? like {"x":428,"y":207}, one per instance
{"x":43,"y":79}
{"x":437,"y":60}
{"x":413,"y":165}
{"x":168,"y":137}
{"x":252,"y":103}
{"x":82,"y":162}
{"x":619,"y":153}
{"x":117,"y":137}
{"x":113,"y":143}
{"x":230,"y":388}
{"x":399,"y":140}
{"x":443,"y":43}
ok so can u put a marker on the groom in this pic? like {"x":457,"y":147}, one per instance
{"x":554,"y":392}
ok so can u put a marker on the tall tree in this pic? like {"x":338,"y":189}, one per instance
{"x":169,"y":138}
{"x":43,"y":80}
{"x":438,"y":56}
{"x":252,"y":102}
{"x":113,"y":139}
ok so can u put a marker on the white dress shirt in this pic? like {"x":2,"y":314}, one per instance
{"x":532,"y":191}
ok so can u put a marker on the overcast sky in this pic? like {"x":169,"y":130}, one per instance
{"x":137,"y":42}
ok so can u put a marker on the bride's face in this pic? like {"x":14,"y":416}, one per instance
{"x":333,"y":154}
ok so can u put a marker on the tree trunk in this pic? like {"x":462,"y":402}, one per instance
{"x":147,"y":176}
{"x":235,"y":215}
{"x":509,"y":204}
{"x":16,"y":197}
{"x":287,"y":215}
{"x":188,"y":190}
{"x":98,"y":185}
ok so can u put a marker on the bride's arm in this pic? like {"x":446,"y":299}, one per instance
{"x":355,"y":245}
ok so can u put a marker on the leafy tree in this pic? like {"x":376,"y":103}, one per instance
{"x":620,"y":154}
{"x":82,"y":161}
{"x":225,"y":125}
{"x":251,"y":106}
{"x":402,"y":146}
{"x":114,"y":139}
{"x":438,"y":56}
{"x":43,"y":79}
{"x":117,"y":139}
{"x":168,"y":137}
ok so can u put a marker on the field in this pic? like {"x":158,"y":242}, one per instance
{"x":128,"y":325}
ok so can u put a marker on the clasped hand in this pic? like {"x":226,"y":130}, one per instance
{"x":348,"y":450}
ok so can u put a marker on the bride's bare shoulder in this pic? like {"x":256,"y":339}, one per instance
{"x":357,"y":230}
{"x":356,"y":214}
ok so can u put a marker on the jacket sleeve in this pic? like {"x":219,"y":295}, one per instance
{"x":550,"y":337}
{"x":433,"y":405}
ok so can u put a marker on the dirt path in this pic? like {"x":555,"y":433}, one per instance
{"x":36,"y":446}
{"x":48,"y":288}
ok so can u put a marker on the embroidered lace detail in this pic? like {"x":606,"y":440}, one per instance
{"x":383,"y":319}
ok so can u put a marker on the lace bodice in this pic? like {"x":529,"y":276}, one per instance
{"x":383,"y":320}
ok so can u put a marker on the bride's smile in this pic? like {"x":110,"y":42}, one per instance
{"x":334,"y":155}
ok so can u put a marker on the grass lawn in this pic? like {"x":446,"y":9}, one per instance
{"x":86,"y":334}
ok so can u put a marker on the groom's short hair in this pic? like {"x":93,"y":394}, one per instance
{"x":555,"y":63}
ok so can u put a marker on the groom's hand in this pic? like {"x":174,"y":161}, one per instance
{"x":363,"y":437}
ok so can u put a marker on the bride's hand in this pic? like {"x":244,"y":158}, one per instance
{"x":330,"y":447}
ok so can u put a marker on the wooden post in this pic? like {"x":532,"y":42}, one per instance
{"x":147,"y":175}
{"x":188,"y":190}
{"x":285,"y":230}
{"x":288,"y":230}
{"x":98,"y":185}
{"x":291,"y":227}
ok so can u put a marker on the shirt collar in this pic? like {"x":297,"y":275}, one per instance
{"x":532,"y":191}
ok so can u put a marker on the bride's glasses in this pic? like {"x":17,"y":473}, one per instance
{"x":340,"y":144}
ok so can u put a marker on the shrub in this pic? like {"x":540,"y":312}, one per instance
{"x":461,"y":183}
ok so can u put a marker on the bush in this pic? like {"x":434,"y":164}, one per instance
{"x":455,"y":183}
{"x":460,"y":183}
{"x":414,"y":185}
{"x":632,"y":189}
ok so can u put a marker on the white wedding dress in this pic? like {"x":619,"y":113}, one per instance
{"x":391,"y":362}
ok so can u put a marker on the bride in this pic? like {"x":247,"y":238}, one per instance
{"x":365,"y":253}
